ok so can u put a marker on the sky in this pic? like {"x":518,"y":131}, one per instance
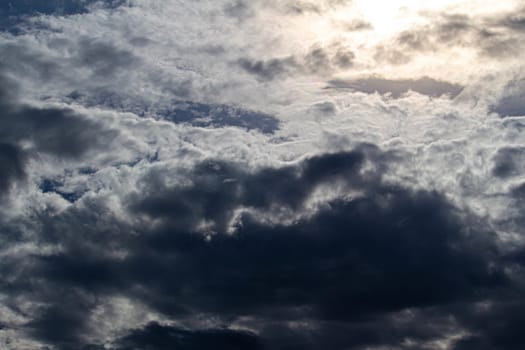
{"x":262,"y":174}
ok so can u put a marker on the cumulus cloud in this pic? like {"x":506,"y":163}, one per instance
{"x":386,"y":250}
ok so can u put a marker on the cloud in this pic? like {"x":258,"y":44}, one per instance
{"x":27,"y":131}
{"x":268,"y":70}
{"x":103,"y":58}
{"x":357,"y":25}
{"x":515,"y":20}
{"x":301,"y":7}
{"x":507,"y":162}
{"x":12,"y":160}
{"x":232,"y":176}
{"x":384,"y":250}
{"x":512,"y":102}
{"x":158,"y":337}
{"x":239,"y":9}
{"x":397,"y":88}
{"x":317,"y":61}
{"x":59,"y":132}
{"x":493,"y":37}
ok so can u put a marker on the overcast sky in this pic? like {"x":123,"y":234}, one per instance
{"x":262,"y":174}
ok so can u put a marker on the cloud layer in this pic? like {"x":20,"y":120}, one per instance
{"x":261,"y":175}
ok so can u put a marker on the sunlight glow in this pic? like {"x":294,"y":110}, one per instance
{"x":364,"y":26}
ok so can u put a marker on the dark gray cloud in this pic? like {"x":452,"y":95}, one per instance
{"x":345,"y":269}
{"x":327,"y":108}
{"x":269,"y":69}
{"x":57,"y":132}
{"x":344,"y":58}
{"x":504,"y":334}
{"x":384,"y":244}
{"x":242,"y":9}
{"x":60,"y":324}
{"x":397,"y":88}
{"x":509,"y":162}
{"x":12,"y":161}
{"x":357,"y":25}
{"x":515,"y":20}
{"x":239,"y":9}
{"x":158,"y":337}
{"x":516,"y":219}
{"x":100,"y":58}
{"x":104,"y":58}
{"x":318,"y":60}
{"x":18,"y":58}
{"x":512,"y":103}
{"x":299,"y":7}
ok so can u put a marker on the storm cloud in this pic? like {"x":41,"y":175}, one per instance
{"x":387,"y":250}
